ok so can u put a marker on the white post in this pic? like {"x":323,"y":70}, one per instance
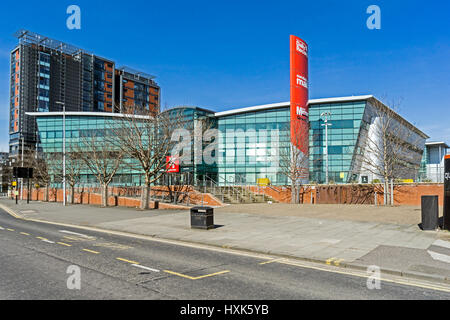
{"x":21,"y":179}
{"x":64,"y":151}
{"x":326,"y":150}
{"x":64,"y":154}
{"x":326,"y":114}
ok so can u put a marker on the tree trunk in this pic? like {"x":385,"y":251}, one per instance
{"x":104,"y":195}
{"x":145,"y":197}
{"x":46,"y":191}
{"x":72,"y":194}
{"x":392,"y":192}
{"x":294,"y":194}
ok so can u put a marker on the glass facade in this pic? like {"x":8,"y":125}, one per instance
{"x":195,"y":120}
{"x":249,"y":146}
{"x":51,"y":137}
{"x":345,"y":123}
{"x":248,"y":142}
{"x":102,"y":81}
{"x":50,"y":130}
{"x":254,"y":153}
{"x":44,"y":82}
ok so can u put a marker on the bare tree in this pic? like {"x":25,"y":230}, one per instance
{"x":102,"y":159}
{"x":294,"y":164}
{"x":73,"y":165}
{"x":390,"y":147}
{"x":39,"y":161}
{"x":145,"y":138}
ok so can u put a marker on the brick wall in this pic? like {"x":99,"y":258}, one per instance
{"x":407,"y":194}
{"x":90,"y":196}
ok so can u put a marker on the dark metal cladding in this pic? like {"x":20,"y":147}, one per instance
{"x":447,"y":192}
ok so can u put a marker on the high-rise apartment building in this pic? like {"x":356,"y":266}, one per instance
{"x":47,"y":74}
{"x":136,"y":89}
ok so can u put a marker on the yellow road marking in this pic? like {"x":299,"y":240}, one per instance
{"x":196,"y":278}
{"x":64,"y":244}
{"x":129,"y":261}
{"x":270,"y":261}
{"x":10,"y":229}
{"x":91,"y":251}
{"x":24,"y":233}
{"x":337,"y":262}
{"x":41,"y":238}
{"x":11,"y":212}
{"x":361,"y":275}
{"x":329,"y":261}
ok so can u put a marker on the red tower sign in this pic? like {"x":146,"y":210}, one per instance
{"x":299,"y":98}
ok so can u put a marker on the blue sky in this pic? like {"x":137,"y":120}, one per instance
{"x":226,"y":54}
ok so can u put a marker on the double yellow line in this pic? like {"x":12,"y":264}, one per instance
{"x":335,"y":261}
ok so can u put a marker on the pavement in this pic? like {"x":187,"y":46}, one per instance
{"x":345,"y":236}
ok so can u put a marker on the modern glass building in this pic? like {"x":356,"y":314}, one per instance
{"x":351,"y":120}
{"x":78,"y":125}
{"x":249,"y":142}
{"x":432,"y":166}
{"x":99,"y":124}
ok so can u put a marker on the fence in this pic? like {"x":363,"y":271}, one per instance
{"x":124,"y":196}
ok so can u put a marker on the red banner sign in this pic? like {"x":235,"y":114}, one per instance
{"x":299,"y":96}
{"x":173,"y":164}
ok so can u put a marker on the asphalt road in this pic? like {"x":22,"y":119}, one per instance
{"x":35,"y":259}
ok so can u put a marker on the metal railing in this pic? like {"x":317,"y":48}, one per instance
{"x":237,"y":191}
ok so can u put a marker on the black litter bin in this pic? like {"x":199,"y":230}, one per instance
{"x":202,"y":218}
{"x":156,"y":206}
{"x":430,"y":212}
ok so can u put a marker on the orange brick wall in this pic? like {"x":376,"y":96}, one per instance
{"x":90,"y":197}
{"x":409,"y":194}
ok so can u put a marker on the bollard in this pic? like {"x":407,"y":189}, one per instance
{"x":447,"y":192}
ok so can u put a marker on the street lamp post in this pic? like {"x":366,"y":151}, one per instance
{"x":326,"y":124}
{"x":64,"y":150}
{"x":21,"y":179}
